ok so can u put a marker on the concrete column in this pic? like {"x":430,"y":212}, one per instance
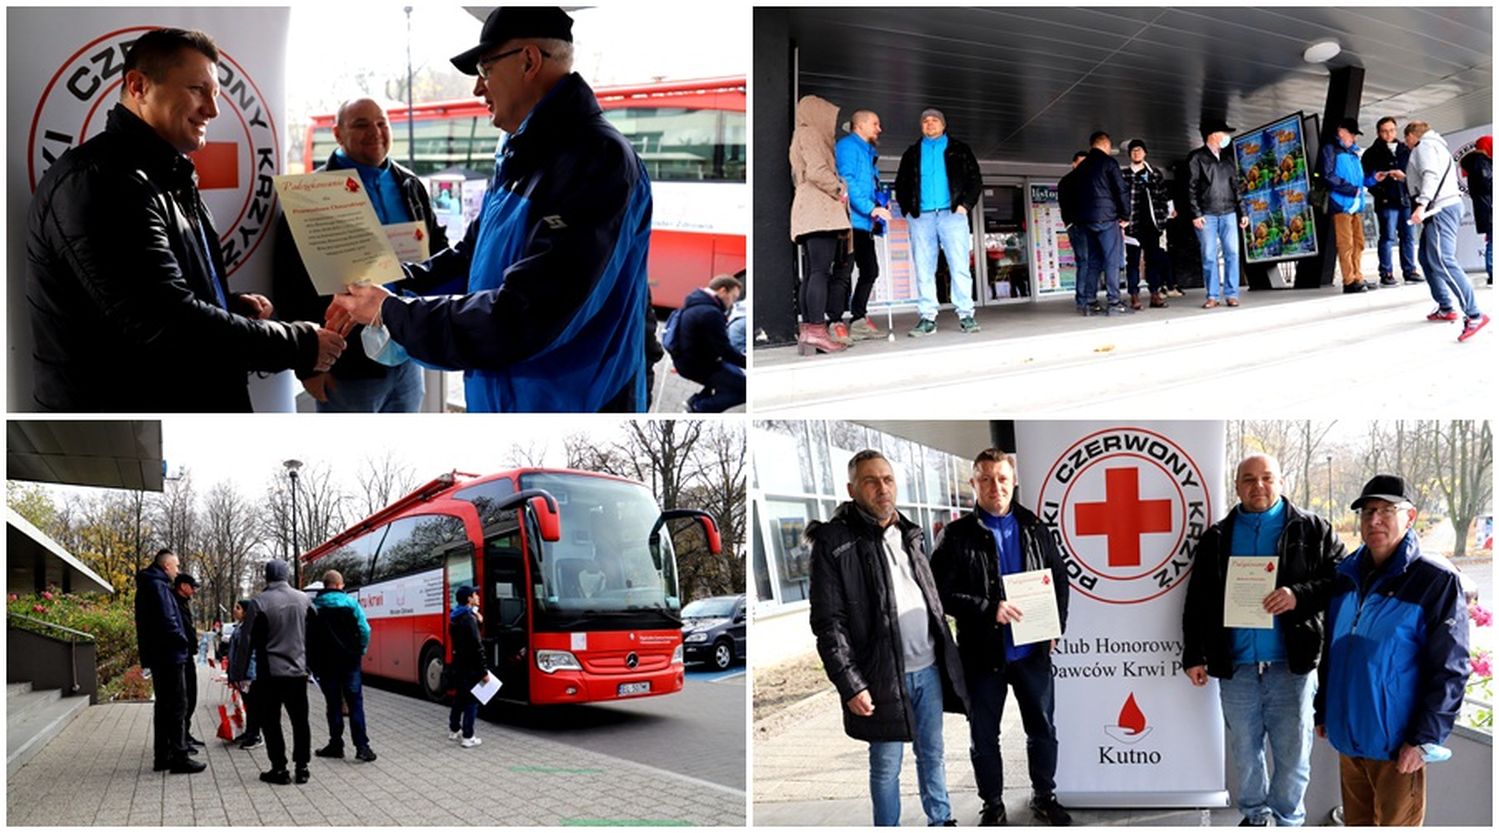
{"x":1345,"y":89}
{"x":773,"y":282}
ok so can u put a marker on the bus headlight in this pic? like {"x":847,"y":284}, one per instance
{"x":700,"y":636}
{"x":550,"y":662}
{"x":676,"y":656}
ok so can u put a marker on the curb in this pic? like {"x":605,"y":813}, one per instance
{"x":773,"y":724}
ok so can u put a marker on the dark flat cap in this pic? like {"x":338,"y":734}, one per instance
{"x":508,"y":22}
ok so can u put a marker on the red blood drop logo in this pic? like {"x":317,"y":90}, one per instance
{"x":351,"y":186}
{"x":1130,"y":717}
{"x":1270,"y":567}
{"x":418,"y":234}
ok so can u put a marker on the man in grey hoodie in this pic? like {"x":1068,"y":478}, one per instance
{"x":1431,"y":177}
{"x":279,"y":639}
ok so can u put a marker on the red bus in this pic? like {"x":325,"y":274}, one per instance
{"x":690,"y":134}
{"x":578,"y":583}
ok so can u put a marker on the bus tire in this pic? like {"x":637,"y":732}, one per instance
{"x":723,"y":654}
{"x":429,"y":674}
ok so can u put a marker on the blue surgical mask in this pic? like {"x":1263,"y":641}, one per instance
{"x":380,"y":347}
{"x":1227,"y":140}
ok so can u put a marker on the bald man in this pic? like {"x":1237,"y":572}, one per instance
{"x":1265,"y":675}
{"x":357,"y":383}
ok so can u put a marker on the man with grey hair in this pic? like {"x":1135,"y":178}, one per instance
{"x":937,"y":185}
{"x":553,"y":315}
{"x":1265,"y":679}
{"x":357,"y":382}
{"x":164,"y":646}
{"x":883,"y":638}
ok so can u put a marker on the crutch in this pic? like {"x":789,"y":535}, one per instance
{"x":889,"y":286}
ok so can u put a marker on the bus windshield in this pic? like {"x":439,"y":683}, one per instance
{"x":603,"y":564}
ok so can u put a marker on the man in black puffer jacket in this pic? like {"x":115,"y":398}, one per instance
{"x":883,"y":638}
{"x":130,"y":307}
{"x":999,"y":538}
{"x":701,"y":350}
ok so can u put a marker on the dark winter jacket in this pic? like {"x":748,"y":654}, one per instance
{"x":241,"y":656}
{"x":125,"y":307}
{"x":185,"y":612}
{"x":1309,"y":552}
{"x":1067,"y":197}
{"x":1148,"y":198}
{"x":854,"y":618}
{"x":1480,"y":171}
{"x":159,"y":634}
{"x":966,"y":565}
{"x":1397,"y":655}
{"x":964,"y":181}
{"x":467,"y":663}
{"x":297,"y":300}
{"x":339,"y":635}
{"x":1212,"y":183}
{"x":1100,"y":189}
{"x":703,"y":337}
{"x":1391,"y":192}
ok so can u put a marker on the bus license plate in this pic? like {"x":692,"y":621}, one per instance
{"x":626,"y":689}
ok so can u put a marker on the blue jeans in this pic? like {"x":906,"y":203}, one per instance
{"x":400,"y":392}
{"x":1277,"y":704}
{"x":465,"y":706}
{"x":338,"y":687}
{"x":1439,"y":261}
{"x":924,"y":688}
{"x":1079,"y":240}
{"x":1105,"y":256}
{"x":723,"y":390}
{"x":1394,"y":227}
{"x":1035,"y":694}
{"x":951,"y":231}
{"x":1220,"y":231}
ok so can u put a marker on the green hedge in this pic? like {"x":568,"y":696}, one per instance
{"x":109,"y":619}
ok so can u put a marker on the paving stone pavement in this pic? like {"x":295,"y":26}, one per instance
{"x":98,"y":772}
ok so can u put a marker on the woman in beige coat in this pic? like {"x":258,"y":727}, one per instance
{"x":819,"y":218}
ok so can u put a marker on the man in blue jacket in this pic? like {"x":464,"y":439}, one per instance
{"x":554,"y":268}
{"x":937,"y":185}
{"x":335,"y":649}
{"x":1101,"y":209}
{"x":1397,"y":661}
{"x":164,"y":648}
{"x":857,"y":155}
{"x":1344,"y":176}
{"x":701,"y":350}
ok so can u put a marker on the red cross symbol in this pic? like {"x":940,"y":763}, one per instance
{"x":1123,"y":517}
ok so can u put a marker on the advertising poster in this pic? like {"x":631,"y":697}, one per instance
{"x":1053,"y":262}
{"x":1276,"y":193}
{"x":897,"y":283}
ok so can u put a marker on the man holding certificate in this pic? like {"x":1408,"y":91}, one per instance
{"x":1261,"y":578}
{"x":1002,"y":579}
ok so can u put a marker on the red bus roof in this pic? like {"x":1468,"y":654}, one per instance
{"x":727,"y":93}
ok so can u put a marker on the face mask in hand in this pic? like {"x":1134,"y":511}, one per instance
{"x":379,"y":346}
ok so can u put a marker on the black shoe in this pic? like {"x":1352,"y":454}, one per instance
{"x":993,"y":816}
{"x":1049,"y":810}
{"x":1255,"y":821}
{"x":1414,"y":279}
{"x":186,"y":766}
{"x":1354,"y":288}
{"x":1388,"y":280}
{"x":276,"y":776}
{"x":252,"y":743}
{"x":303,"y":776}
{"x":948,"y":823}
{"x":159,"y":766}
{"x":192,"y":751}
{"x":194,"y":741}
{"x":364,"y":753}
{"x":332,"y":750}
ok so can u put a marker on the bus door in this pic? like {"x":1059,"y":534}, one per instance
{"x":506,"y":599}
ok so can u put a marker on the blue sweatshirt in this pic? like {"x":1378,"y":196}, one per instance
{"x":1007,"y":543}
{"x":1258,"y":533}
{"x":935,"y":194}
{"x":384,"y":191}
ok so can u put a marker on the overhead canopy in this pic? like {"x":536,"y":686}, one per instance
{"x":33,"y":561}
{"x":964,"y":438}
{"x":1030,"y":84}
{"x":112,"y":454}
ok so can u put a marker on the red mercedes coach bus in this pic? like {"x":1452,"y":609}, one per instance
{"x":579,"y":585}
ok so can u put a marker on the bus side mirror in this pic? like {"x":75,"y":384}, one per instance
{"x":547,"y":519}
{"x":710,"y":531}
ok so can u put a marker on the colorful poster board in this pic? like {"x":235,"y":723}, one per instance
{"x":1053,"y":263}
{"x":1276,"y":191}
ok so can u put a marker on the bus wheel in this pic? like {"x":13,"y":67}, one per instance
{"x":723,"y":654}
{"x":431,"y":672}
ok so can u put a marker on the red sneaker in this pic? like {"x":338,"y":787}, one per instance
{"x":1472,"y":326}
{"x":1443,"y":315}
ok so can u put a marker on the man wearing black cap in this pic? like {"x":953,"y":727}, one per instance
{"x":1149,"y":208}
{"x":555,"y":265}
{"x":1397,"y":662}
{"x":184,"y":586}
{"x":1344,"y":176}
{"x":1213,"y":199}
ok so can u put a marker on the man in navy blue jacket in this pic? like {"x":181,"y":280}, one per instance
{"x":1397,"y":661}
{"x":703,"y":351}
{"x":554,"y":268}
{"x":164,"y":648}
{"x":1101,"y":210}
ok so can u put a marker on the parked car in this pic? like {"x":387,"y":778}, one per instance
{"x":713,"y":631}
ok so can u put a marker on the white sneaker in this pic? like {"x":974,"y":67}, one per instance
{"x":469,"y":743}
{"x":455,"y":735}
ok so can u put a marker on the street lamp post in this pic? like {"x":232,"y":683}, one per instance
{"x":410,"y":99}
{"x":1330,"y":509}
{"x":296,"y":559}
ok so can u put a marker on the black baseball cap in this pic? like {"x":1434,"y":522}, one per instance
{"x":464,"y":594}
{"x":1350,"y":125}
{"x":508,"y":22}
{"x":185,"y":578}
{"x":1386,"y":487}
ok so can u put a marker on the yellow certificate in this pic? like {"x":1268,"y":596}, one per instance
{"x":1035,"y":593}
{"x":337,"y":233}
{"x":410,"y":241}
{"x":1250,"y":579}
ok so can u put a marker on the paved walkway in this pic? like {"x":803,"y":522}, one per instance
{"x":98,"y":772}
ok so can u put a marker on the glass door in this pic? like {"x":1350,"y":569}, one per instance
{"x":1004,"y":245}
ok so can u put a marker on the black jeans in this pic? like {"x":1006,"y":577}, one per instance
{"x":1036,"y":696}
{"x":169,"y":713}
{"x":190,"y":691}
{"x":819,"y":263}
{"x":1156,"y":260}
{"x":271,"y":694}
{"x":251,"y":699}
{"x":869,"y":271}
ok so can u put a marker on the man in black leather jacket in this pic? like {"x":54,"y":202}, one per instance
{"x":130,"y":307}
{"x":883,"y":639}
{"x":1392,"y":203}
{"x":998,"y":538}
{"x":1213,"y":202}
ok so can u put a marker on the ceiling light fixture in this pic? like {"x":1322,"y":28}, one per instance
{"x":1322,"y":51}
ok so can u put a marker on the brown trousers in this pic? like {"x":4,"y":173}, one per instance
{"x":1349,"y":231}
{"x":1376,"y":794}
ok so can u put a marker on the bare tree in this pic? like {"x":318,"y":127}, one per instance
{"x":381,"y":481}
{"x":176,"y":513}
{"x":229,"y":541}
{"x":1465,"y":468}
{"x":661,"y":454}
{"x":718,"y":488}
{"x":528,"y":454}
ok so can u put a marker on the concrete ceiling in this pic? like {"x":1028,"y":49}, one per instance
{"x":1029,"y":84}
{"x":112,"y":454}
{"x":963,"y":438}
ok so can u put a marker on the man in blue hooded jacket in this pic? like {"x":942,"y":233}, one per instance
{"x":1344,"y":176}
{"x":857,"y":156}
{"x":1397,"y":661}
{"x":551,"y":278}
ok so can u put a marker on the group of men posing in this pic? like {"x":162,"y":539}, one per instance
{"x":284,"y":636}
{"x":1369,"y":650}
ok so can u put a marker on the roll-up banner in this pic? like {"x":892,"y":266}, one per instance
{"x":1126,"y":503}
{"x":64,"y":70}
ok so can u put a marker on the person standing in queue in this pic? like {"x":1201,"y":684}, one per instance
{"x":468,"y":669}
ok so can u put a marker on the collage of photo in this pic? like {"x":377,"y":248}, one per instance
{"x":647,"y":415}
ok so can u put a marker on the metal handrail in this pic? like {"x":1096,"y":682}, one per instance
{"x":87,"y":636}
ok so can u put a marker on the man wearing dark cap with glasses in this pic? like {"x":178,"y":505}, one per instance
{"x":1213,"y":198}
{"x":184,"y":586}
{"x":1397,"y":662}
{"x":1344,"y":176}
{"x":555,"y":266}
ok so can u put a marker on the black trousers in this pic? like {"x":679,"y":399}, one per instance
{"x":168,"y":715}
{"x":820,"y":250}
{"x":190,"y":690}
{"x":1036,"y":695}
{"x":869,"y":271}
{"x":271,"y":693}
{"x":251,"y":699}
